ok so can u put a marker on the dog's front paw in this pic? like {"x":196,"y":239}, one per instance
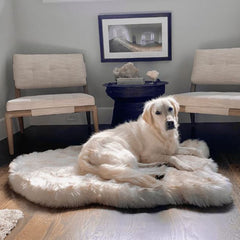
{"x":180,"y":165}
{"x":190,"y":151}
{"x":185,"y":167}
{"x":211,"y":165}
{"x":200,"y":145}
{"x":196,"y":153}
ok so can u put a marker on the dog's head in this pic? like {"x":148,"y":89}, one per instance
{"x":162,"y":113}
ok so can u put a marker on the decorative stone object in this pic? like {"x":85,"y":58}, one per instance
{"x":128,"y":70}
{"x":153,"y":74}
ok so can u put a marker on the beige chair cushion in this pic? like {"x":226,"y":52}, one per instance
{"x":60,"y":101}
{"x":209,"y":102}
{"x":48,"y":70}
{"x":216,"y":66}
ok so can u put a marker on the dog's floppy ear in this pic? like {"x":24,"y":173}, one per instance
{"x":175,"y":105}
{"x":147,"y":112}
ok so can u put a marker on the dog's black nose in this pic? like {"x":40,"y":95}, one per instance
{"x":170,"y":125}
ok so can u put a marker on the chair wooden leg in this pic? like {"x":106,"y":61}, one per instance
{"x":89,"y":122}
{"x":192,"y":117}
{"x":95,"y":119}
{"x":8,"y":120}
{"x":193,"y":130}
{"x":88,"y":119}
{"x":21,"y":124}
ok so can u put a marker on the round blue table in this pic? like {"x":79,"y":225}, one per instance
{"x":130,"y":99}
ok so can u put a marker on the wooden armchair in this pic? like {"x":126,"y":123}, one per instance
{"x":48,"y":71}
{"x":213,"y":67}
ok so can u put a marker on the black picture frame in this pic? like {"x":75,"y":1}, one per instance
{"x":135,"y":37}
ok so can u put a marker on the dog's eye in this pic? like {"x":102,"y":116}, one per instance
{"x":158,"y":113}
{"x":170,"y":109}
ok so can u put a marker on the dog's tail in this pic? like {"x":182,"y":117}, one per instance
{"x":147,"y":178}
{"x":137,"y":177}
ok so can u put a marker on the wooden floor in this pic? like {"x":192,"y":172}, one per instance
{"x":97,"y":222}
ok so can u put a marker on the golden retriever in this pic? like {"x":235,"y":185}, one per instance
{"x":138,"y":152}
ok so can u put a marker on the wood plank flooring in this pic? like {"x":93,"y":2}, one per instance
{"x":98,"y":222}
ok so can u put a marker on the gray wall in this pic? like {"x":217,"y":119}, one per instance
{"x":7,"y":48}
{"x":73,"y":27}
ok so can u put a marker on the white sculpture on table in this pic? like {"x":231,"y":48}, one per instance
{"x":128,"y":70}
{"x":153,"y":74}
{"x":127,"y":74}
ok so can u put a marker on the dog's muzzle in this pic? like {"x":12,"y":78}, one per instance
{"x":170,"y":125}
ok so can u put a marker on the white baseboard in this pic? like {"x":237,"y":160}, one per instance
{"x":207,"y":118}
{"x":104,"y":116}
{"x":3,"y":133}
{"x":2,"y":129}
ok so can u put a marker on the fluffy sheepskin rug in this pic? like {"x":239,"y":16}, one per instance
{"x":8,"y":220}
{"x":51,"y":179}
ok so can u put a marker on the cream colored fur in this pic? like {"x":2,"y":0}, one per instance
{"x":51,"y":179}
{"x":134,"y":151}
{"x":8,"y":220}
{"x":118,"y":168}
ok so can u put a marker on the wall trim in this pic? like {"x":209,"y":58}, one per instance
{"x":104,"y":116}
{"x":3,"y":133}
{"x":2,"y":129}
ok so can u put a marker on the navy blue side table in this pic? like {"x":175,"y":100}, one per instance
{"x":130,"y":99}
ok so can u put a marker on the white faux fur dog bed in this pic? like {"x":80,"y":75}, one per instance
{"x":51,"y":179}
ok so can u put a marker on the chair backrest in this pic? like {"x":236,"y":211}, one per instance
{"x":48,"y":70}
{"x":217,"y":66}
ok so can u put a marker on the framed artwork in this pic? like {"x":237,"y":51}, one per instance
{"x":135,"y":37}
{"x":59,"y":1}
